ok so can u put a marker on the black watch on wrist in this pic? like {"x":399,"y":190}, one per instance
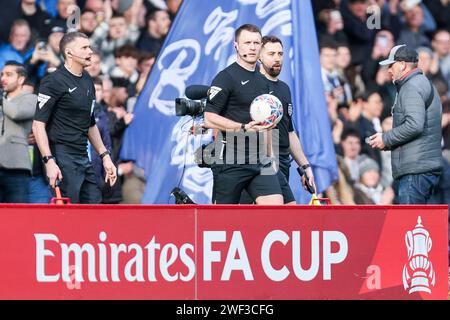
{"x":306,"y":166}
{"x":104,"y":154}
{"x":46,"y":158}
{"x":243,"y":127}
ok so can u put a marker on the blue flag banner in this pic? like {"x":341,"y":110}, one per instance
{"x":198,"y":46}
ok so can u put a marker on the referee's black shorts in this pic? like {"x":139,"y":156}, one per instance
{"x":79,"y":182}
{"x":231,"y":179}
{"x":286,"y":191}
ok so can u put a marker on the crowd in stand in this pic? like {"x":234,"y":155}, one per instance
{"x":353,"y":35}
{"x":126,"y":36}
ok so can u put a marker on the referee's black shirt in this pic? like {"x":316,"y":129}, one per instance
{"x":65,"y":104}
{"x":231,"y":94}
{"x":281,"y":90}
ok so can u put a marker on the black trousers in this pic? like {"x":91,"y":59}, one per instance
{"x":79,"y":181}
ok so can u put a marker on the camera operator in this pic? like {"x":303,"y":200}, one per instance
{"x":228,"y":110}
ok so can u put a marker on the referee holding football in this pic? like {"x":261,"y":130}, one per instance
{"x":228,"y":110}
{"x":64,"y":121}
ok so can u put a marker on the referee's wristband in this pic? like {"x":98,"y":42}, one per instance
{"x":243,"y":127}
{"x":104,"y":154}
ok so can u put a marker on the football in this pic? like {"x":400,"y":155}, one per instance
{"x":266,"y":109}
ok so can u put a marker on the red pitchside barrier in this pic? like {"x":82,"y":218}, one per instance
{"x":223,"y":252}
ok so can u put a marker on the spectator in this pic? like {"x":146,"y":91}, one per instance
{"x":39,"y":190}
{"x":369,"y":189}
{"x":351,"y":149}
{"x":333,"y":84}
{"x":8,"y":15}
{"x":88,"y":22}
{"x":441,"y":47}
{"x":17,"y":49}
{"x":384,"y":41}
{"x":118,"y":119}
{"x":46,"y":56}
{"x":341,"y":191}
{"x":38,"y":20}
{"x":359,"y":35}
{"x":64,"y":11}
{"x":95,"y":5}
{"x":330,"y":26}
{"x":158,"y":25}
{"x":349,"y":73}
{"x":440,"y":9}
{"x":17,"y":110}
{"x":337,"y":126}
{"x":111,"y":34}
{"x":126,"y":64}
{"x":173,"y":6}
{"x":412,"y":35}
{"x":429,"y":64}
{"x":369,"y":123}
{"x":145,"y":65}
{"x":102,"y":121}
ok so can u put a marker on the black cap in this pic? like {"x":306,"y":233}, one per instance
{"x":401,"y":53}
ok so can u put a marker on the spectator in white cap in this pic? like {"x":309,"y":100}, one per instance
{"x":415,"y":139}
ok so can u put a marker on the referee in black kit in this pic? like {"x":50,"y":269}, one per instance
{"x":228,"y":110}
{"x":271,"y":59}
{"x":64,"y":121}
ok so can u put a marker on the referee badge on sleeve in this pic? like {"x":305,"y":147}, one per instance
{"x":289,"y":109}
{"x":92,"y":107}
{"x":213,"y":91}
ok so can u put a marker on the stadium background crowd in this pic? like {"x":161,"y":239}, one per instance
{"x":128,"y":34}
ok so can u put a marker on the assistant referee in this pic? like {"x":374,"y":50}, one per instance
{"x":64,"y":122}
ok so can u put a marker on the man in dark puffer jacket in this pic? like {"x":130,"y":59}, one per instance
{"x":415,"y":139}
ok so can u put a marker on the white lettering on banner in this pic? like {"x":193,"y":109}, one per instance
{"x":329,"y":257}
{"x":272,"y":237}
{"x":174,"y":75}
{"x":266,"y":7}
{"x":168,"y":256}
{"x":126,"y":261}
{"x":311,"y":273}
{"x":304,"y":274}
{"x":283,"y":19}
{"x":137,"y":263}
{"x":231,"y":264}
{"x":210,"y":256}
{"x":242,"y":263}
{"x":41,"y":253}
{"x":77,"y":251}
{"x":218,"y":23}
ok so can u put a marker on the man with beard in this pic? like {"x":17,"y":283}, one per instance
{"x":271,"y":59}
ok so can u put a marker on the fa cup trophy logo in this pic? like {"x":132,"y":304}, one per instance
{"x":418,"y":244}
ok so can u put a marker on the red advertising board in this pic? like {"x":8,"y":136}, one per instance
{"x":223,"y":252}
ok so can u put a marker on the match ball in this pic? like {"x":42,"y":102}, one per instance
{"x":266,"y":109}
